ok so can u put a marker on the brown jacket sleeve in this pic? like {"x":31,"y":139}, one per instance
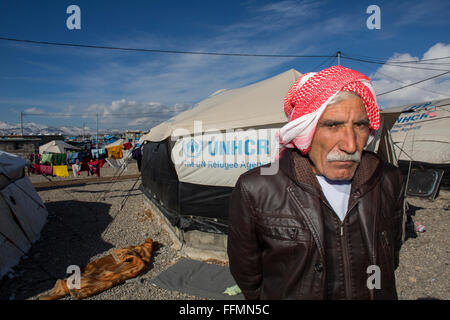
{"x":244,"y":253}
{"x":399,"y":218}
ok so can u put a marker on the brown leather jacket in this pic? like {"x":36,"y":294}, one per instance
{"x":276,"y":241}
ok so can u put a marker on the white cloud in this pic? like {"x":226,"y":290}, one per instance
{"x":133,"y":114}
{"x":34,"y":110}
{"x":389,"y":77}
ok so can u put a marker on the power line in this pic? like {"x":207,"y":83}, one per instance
{"x":162,"y":51}
{"x":390,"y":64}
{"x":389,"y":77}
{"x":89,"y":115}
{"x":398,"y":61}
{"x":323,"y":62}
{"x":411,"y":84}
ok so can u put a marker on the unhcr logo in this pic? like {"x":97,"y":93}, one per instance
{"x":192,"y":148}
{"x":228,"y":149}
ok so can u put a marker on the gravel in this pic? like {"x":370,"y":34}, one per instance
{"x":82,"y":226}
{"x":424,"y":271}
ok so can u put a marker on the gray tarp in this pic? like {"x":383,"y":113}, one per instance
{"x":199,"y":279}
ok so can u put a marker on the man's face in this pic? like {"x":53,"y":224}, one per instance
{"x":342,"y":131}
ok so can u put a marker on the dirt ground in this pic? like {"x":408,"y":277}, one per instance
{"x":86,"y":220}
{"x":424,"y":271}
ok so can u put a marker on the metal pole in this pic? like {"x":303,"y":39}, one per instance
{"x":339,"y":58}
{"x":21,"y":122}
{"x":96,"y":137}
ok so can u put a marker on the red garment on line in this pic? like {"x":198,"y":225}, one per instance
{"x":48,"y":170}
{"x":127,"y":146}
{"x":94,"y":166}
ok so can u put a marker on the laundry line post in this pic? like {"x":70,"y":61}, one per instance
{"x":21,"y":122}
{"x":96,"y":135}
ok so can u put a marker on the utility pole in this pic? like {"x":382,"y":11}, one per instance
{"x":96,"y":137}
{"x":339,"y":58}
{"x":21,"y":122}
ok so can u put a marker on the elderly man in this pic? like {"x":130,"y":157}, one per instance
{"x":328,"y":224}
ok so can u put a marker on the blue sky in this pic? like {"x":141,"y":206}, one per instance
{"x":41,"y":78}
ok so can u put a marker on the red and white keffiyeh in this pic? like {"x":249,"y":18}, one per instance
{"x":309,"y":96}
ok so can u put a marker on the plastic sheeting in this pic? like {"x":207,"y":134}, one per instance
{"x":11,"y":165}
{"x":22,"y":217}
{"x":187,"y":206}
{"x":199,"y":279}
{"x":27,"y":206}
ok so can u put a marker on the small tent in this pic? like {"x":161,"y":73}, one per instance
{"x":192,"y":161}
{"x":22,"y":212}
{"x":57,"y":146}
{"x":115,"y":143}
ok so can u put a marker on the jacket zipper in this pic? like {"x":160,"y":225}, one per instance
{"x":344,"y":253}
{"x":348,"y":289}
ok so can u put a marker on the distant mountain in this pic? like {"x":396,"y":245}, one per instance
{"x":31,"y":128}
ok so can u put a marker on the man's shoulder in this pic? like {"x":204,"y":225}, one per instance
{"x":261,"y":176}
{"x":375,"y":160}
{"x":390,"y":173}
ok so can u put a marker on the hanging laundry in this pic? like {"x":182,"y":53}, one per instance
{"x":115,"y":152}
{"x":82,"y":156}
{"x":72,"y":157}
{"x":94,"y":166}
{"x":37,"y":158}
{"x":85,"y":166}
{"x":59,"y":159}
{"x":34,"y":168}
{"x":45,"y":169}
{"x":46,"y":158}
{"x":137,"y":155}
{"x":98,"y":153}
{"x":127,"y":145}
{"x":76,"y":168}
{"x":60,"y":171}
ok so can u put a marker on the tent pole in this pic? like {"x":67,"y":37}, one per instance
{"x":387,"y":149}
{"x":392,"y":150}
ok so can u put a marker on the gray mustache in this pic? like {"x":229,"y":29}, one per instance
{"x":342,"y":156}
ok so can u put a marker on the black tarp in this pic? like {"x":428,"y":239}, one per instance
{"x":159,"y":178}
{"x":204,"y":201}
{"x":187,"y":206}
{"x":445,"y":181}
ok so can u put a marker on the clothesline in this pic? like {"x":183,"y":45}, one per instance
{"x":58,"y":164}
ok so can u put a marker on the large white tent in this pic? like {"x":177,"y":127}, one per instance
{"x":57,"y":146}
{"x":421,"y":131}
{"x":22,"y":212}
{"x":224,"y":135}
